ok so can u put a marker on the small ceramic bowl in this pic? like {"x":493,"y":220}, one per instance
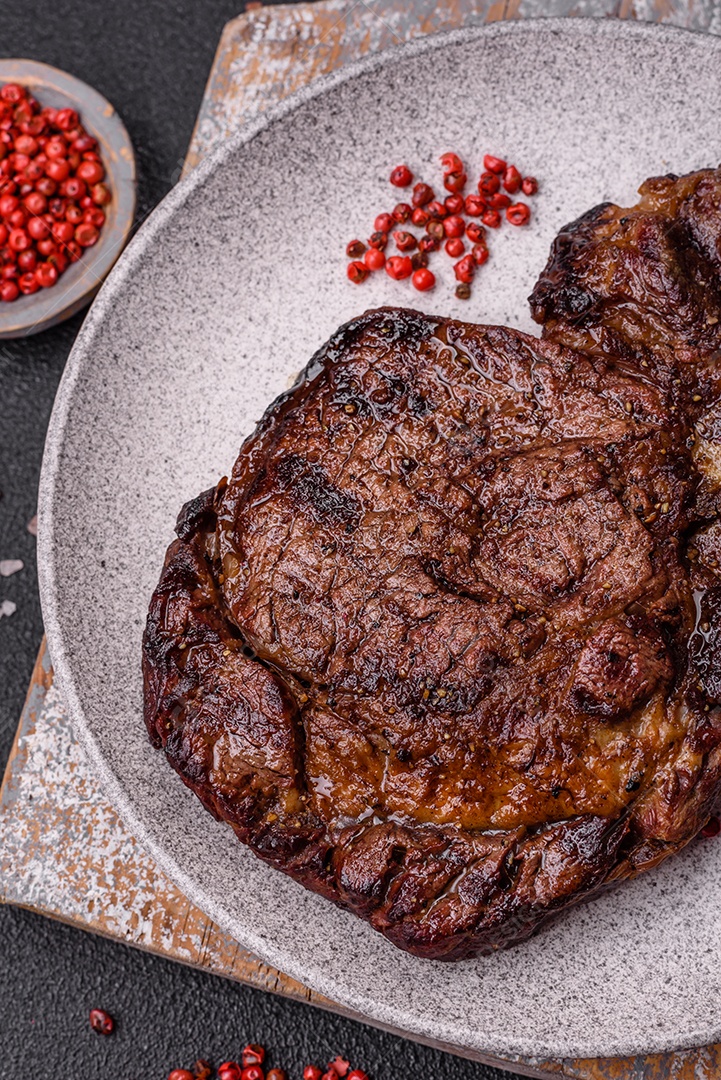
{"x":77,"y":286}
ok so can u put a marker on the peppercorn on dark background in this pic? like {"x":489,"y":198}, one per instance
{"x":150,"y":58}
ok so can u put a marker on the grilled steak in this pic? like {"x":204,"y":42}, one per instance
{"x":641,"y":283}
{"x":433,"y":648}
{"x":644,"y":284}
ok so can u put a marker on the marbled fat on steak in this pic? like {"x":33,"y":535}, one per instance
{"x":444,"y":648}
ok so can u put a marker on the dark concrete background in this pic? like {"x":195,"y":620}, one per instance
{"x":150,"y":59}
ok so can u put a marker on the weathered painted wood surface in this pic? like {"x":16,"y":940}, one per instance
{"x":268,"y":53}
{"x":63,"y":849}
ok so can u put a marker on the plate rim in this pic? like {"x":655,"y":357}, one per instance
{"x":124,"y":175}
{"x":111,"y":784}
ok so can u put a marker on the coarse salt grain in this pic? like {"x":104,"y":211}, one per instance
{"x":10,"y":566}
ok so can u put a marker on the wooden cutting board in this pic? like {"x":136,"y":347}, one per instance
{"x":64,"y":852}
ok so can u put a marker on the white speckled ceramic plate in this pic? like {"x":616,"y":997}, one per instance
{"x":229,"y":287}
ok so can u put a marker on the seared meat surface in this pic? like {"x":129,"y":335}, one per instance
{"x":642,"y":283}
{"x":440,"y":648}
